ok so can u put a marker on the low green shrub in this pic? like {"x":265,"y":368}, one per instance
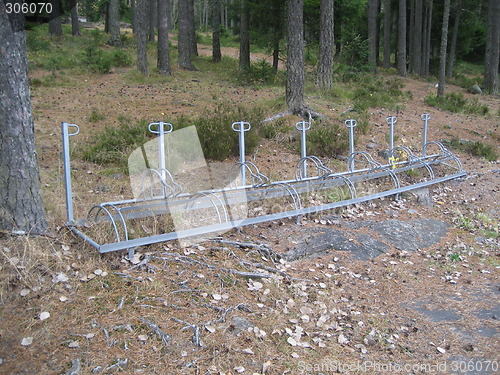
{"x":475,"y":148}
{"x":260,"y":73}
{"x":327,"y":139}
{"x":217,"y":138}
{"x":456,"y":103}
{"x":114,"y":144}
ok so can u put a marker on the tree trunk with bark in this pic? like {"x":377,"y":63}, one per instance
{"x":114,"y":22}
{"x":442,"y":52}
{"x":295,"y":58}
{"x":163,"y":48}
{"x":142,"y":37}
{"x":55,"y":27}
{"x":387,"y":33}
{"x":492,"y":48}
{"x":277,"y":34}
{"x":192,"y":29}
{"x":454,"y":37}
{"x":75,"y":24}
{"x":152,"y":20}
{"x":133,"y":13}
{"x":244,"y":36}
{"x":426,"y":50}
{"x":184,"y":40}
{"x":416,"y":52}
{"x":372,"y":34}
{"x":401,"y":59}
{"x":216,"y":52}
{"x":326,"y":45}
{"x":21,"y":202}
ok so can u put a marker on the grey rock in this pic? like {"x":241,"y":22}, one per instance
{"x":75,"y":367}
{"x":475,"y":89}
{"x":406,"y":235}
{"x":239,"y":324}
{"x":363,"y":246}
{"x":424,"y":197}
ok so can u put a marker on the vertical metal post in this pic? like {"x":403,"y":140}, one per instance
{"x":303,"y":126}
{"x":241,"y":127}
{"x":351,"y":123}
{"x":161,"y":150}
{"x":67,"y":168}
{"x":426,"y":118}
{"x":161,"y":129}
{"x":391,"y":120}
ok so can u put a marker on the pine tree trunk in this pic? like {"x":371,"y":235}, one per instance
{"x":426,"y":51}
{"x":277,"y":34}
{"x":133,"y":12}
{"x":444,"y":45}
{"x":387,"y":33}
{"x":216,"y":53}
{"x":454,"y":37}
{"x":326,"y":45}
{"x":401,"y":60}
{"x":372,"y":34}
{"x":55,"y":27}
{"x":244,"y":36}
{"x":492,"y":48}
{"x":114,"y":22}
{"x":192,"y":29}
{"x":416,"y":53}
{"x":142,"y":37}
{"x":152,"y":21}
{"x":163,"y":48}
{"x":295,"y":58}
{"x":21,"y":202}
{"x":184,"y":41}
{"x":75,"y":24}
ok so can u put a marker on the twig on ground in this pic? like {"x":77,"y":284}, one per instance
{"x":196,"y":330}
{"x":187,"y":260}
{"x":162,"y":335}
{"x":263,"y":249}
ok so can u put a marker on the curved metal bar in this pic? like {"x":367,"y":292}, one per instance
{"x":445,"y":153}
{"x":102,"y":208}
{"x":320,"y":167}
{"x":413,"y":159}
{"x":292,"y":192}
{"x":175,"y":184}
{"x":262,"y":179}
{"x":369,"y":159}
{"x":152,"y":172}
{"x":347,"y":182}
{"x":207,"y":195}
{"x":122,"y":219}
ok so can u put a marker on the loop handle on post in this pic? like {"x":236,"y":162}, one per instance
{"x":160,"y":125}
{"x":351,"y":123}
{"x":243,"y":126}
{"x":303,"y":126}
{"x":425,"y":116}
{"x":76,"y":127}
{"x":391,"y":120}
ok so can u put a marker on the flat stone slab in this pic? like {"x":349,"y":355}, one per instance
{"x":369,"y":239}
{"x":406,"y":235}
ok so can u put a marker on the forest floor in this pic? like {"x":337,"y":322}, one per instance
{"x":65,"y":309}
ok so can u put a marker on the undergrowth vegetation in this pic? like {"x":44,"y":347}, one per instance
{"x":114,"y":145}
{"x":475,"y":148}
{"x":456,"y":103}
{"x":88,"y":52}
